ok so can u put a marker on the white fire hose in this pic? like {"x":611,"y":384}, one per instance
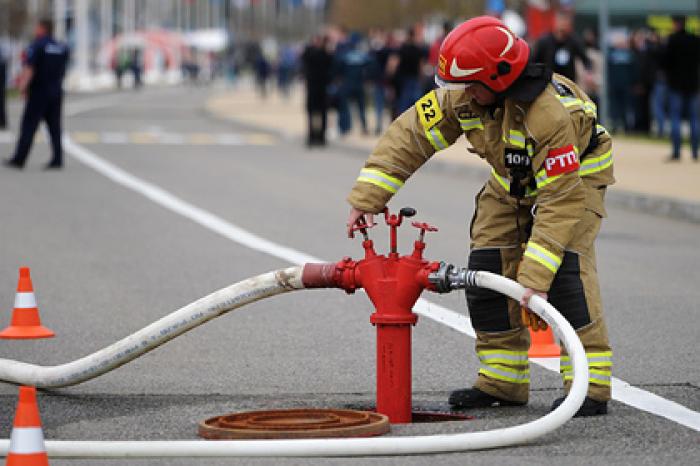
{"x":254,"y":289}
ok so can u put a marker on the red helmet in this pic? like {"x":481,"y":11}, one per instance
{"x":481,"y":50}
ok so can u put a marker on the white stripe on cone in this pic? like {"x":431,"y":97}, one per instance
{"x":27,"y":441}
{"x":25,"y":300}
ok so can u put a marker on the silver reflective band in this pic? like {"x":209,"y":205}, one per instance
{"x":25,"y":300}
{"x":509,"y":357}
{"x":27,"y":440}
{"x":520,"y":375}
{"x":545,"y":259}
{"x":435,"y":135}
{"x":389,"y":182}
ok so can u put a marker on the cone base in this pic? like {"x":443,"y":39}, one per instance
{"x":545,"y":351}
{"x":26,"y":332}
{"x":32,"y":459}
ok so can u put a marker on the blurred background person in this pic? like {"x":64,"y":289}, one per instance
{"x":681,"y":60}
{"x":41,"y":82}
{"x":262,"y":73}
{"x":411,"y":57}
{"x":560,"y":48}
{"x":380,"y":50}
{"x":286,"y":67}
{"x":352,"y":68}
{"x":644,"y":76}
{"x":316,"y":65}
{"x":3,"y":85}
{"x":659,"y":92}
{"x":620,"y":76}
{"x":591,"y":86}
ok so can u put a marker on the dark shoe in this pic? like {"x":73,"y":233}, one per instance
{"x":12,"y":163}
{"x":672,"y":159}
{"x":590,"y":407}
{"x":53,"y":166}
{"x":475,"y":398}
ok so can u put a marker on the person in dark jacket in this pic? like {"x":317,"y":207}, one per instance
{"x":41,"y":82}
{"x":316,"y":65}
{"x":681,"y":64}
{"x":560,"y":48}
{"x":3,"y":82}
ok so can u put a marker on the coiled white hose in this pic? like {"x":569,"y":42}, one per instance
{"x":252,"y":290}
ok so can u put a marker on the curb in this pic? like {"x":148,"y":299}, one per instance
{"x":662,"y":206}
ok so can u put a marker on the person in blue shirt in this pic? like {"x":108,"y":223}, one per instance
{"x":41,"y":82}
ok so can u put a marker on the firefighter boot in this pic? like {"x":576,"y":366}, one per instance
{"x":590,"y":407}
{"x":475,"y":398}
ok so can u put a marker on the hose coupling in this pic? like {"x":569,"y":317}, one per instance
{"x":448,"y":278}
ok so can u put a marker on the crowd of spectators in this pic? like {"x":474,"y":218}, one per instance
{"x":650,"y":80}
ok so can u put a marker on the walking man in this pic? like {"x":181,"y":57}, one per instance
{"x":681,"y":65}
{"x":41,"y":83}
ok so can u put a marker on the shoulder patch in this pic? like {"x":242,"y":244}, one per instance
{"x":561,"y":160}
{"x":429,"y":111}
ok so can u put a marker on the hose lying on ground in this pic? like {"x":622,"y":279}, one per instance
{"x":254,"y":289}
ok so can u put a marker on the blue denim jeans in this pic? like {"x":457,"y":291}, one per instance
{"x":677,"y":102}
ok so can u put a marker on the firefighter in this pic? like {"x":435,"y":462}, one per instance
{"x":537,"y":216}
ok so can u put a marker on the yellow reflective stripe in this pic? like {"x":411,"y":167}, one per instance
{"x":543,"y":180}
{"x":436,"y":139}
{"x":590,"y":108}
{"x":539,"y":254}
{"x":505,"y":184}
{"x":507,"y":376}
{"x":596,"y":164}
{"x":502,"y":181}
{"x":599,"y":377}
{"x":502,"y":351}
{"x":471,"y":123}
{"x":569,"y":101}
{"x":530,"y":150}
{"x":377,"y":178}
{"x":515,"y":138}
{"x":514,"y":358}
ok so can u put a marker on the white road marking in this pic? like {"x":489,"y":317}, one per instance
{"x":7,"y":137}
{"x":622,"y":391}
{"x":113,"y":137}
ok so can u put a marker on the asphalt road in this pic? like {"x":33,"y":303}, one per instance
{"x":107,"y":261}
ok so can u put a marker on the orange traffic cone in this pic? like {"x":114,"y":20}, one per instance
{"x":27,"y":439}
{"x":542,"y":344}
{"x":25,"y":317}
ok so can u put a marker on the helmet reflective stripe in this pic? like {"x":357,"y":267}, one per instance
{"x":450,"y":86}
{"x":27,"y":440}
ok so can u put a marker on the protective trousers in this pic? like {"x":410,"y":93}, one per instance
{"x":498,"y":232}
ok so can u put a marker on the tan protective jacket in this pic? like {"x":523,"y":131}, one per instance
{"x":553,"y":130}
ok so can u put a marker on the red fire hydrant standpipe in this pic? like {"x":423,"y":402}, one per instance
{"x":393,"y":283}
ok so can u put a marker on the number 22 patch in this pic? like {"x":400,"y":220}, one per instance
{"x":428,"y":110}
{"x":561,"y":160}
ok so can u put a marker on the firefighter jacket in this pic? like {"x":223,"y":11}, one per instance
{"x":549,"y":154}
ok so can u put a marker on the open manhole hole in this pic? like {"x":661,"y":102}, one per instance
{"x":294,"y":423}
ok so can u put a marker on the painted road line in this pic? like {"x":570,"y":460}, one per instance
{"x":85,"y":137}
{"x":112,"y":137}
{"x":622,"y":391}
{"x":7,"y":137}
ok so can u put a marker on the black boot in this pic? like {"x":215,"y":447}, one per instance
{"x":475,"y":398}
{"x":590,"y":407}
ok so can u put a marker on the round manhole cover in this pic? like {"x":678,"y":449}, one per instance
{"x":294,"y":423}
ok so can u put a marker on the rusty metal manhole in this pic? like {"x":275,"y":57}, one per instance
{"x":294,"y":423}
